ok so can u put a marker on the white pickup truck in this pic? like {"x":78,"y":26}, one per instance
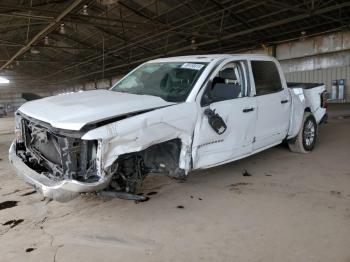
{"x":170,"y":116}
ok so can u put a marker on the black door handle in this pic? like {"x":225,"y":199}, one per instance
{"x":246,"y":110}
{"x":284,"y":101}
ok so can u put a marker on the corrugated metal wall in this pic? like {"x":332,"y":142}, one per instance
{"x":319,"y":59}
{"x":323,"y":76}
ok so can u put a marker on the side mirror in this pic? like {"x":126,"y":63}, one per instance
{"x":215,"y":121}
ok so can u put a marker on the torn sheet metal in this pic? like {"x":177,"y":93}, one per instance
{"x":142,"y":131}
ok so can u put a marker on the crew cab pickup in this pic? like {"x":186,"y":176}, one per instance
{"x":169,"y":116}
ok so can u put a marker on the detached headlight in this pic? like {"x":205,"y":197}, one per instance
{"x":18,"y":135}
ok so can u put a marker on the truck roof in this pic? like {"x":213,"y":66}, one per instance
{"x":209,"y":58}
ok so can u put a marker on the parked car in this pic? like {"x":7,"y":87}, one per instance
{"x":2,"y":110}
{"x":170,"y":116}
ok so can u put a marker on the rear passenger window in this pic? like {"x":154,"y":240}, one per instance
{"x":266,"y":77}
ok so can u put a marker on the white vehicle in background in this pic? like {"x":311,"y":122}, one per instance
{"x":169,"y":115}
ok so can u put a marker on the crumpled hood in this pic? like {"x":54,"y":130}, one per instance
{"x":73,"y":111}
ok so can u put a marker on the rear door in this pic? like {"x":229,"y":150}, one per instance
{"x":236,"y":107}
{"x":273,"y":104}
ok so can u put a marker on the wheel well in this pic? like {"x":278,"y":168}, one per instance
{"x":162,"y":157}
{"x":309,"y":111}
{"x":130,"y":169}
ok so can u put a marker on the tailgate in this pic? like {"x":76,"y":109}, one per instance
{"x":314,"y":98}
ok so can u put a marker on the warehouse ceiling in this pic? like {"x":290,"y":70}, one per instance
{"x":47,"y":44}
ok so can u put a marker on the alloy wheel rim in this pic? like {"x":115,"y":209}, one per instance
{"x":309,"y":133}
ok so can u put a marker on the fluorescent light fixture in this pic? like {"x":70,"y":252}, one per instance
{"x":46,"y":40}
{"x":62,"y":30}
{"x":85,"y":10}
{"x":4,"y":80}
{"x":34,"y":51}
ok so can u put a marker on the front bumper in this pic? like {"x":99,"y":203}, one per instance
{"x":62,"y":191}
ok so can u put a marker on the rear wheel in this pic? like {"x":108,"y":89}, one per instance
{"x":305,"y":141}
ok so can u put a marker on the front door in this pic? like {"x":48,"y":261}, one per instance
{"x":225,"y":98}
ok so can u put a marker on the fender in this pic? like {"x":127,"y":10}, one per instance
{"x":297,"y":111}
{"x":142,"y":131}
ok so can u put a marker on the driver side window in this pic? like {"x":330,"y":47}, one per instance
{"x":227,"y":84}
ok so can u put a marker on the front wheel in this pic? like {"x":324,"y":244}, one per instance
{"x":305,"y":141}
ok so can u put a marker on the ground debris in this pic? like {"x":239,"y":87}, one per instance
{"x":240,"y":184}
{"x":142,"y":200}
{"x":42,"y":221}
{"x":8,"y":204}
{"x":236,"y":186}
{"x":29,"y":193}
{"x":246,"y":173}
{"x":122,"y":195}
{"x":336,"y":193}
{"x":13,"y":222}
{"x":152,"y":193}
{"x":13,"y":192}
{"x":46,"y":200}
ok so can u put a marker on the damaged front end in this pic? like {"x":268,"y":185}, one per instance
{"x":61,"y":164}
{"x":57,"y":162}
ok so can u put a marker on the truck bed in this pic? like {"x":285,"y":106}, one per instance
{"x":303,"y":85}
{"x":313,"y":97}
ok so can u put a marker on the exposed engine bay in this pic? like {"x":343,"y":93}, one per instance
{"x":64,"y":155}
{"x":57,"y":154}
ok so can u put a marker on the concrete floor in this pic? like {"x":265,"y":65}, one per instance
{"x":292,"y":208}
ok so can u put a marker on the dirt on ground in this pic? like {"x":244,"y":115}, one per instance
{"x":273,"y":206}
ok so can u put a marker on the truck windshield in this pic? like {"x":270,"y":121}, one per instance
{"x":171,"y":81}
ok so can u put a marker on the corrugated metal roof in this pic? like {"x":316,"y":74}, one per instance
{"x":117,"y":35}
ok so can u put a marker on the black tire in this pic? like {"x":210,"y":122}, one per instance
{"x":305,"y":141}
